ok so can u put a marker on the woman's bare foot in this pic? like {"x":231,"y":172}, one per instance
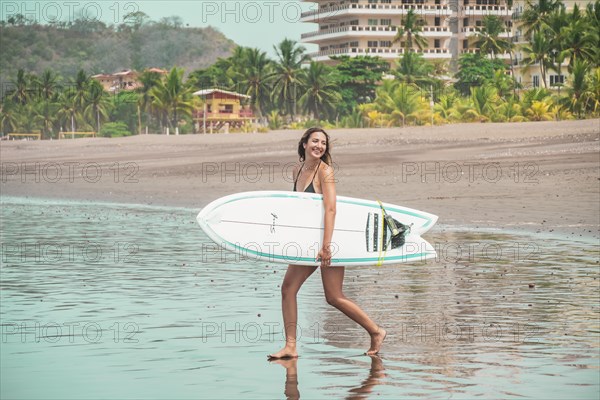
{"x":376,"y":341}
{"x":286,"y":353}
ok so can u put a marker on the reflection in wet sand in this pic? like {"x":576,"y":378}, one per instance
{"x":291,"y":391}
{"x":142,"y":305}
{"x":376,"y":374}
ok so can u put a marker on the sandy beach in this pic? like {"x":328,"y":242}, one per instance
{"x":141,"y":297}
{"x":537,"y":176}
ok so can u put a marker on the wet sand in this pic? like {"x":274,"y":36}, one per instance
{"x":537,"y":176}
{"x":134,"y":300}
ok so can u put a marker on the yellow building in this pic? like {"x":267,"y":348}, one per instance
{"x":221,"y":110}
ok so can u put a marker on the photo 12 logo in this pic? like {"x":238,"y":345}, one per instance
{"x":470,"y":172}
{"x":253,"y":332}
{"x":55,"y":253}
{"x":53,"y":172}
{"x":250,"y":11}
{"x":68,"y":332}
{"x":52,"y":12}
{"x":440,"y":331}
{"x":288,"y":252}
{"x":253,"y":172}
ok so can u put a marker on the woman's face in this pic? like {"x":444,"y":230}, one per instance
{"x":316,"y":145}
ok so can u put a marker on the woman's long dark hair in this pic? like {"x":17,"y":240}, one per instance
{"x":326,"y":157}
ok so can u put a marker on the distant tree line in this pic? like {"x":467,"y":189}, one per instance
{"x":291,"y":91}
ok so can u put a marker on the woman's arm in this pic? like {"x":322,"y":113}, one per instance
{"x":327,"y":181}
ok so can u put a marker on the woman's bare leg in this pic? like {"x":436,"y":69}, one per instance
{"x":294,"y":278}
{"x":333,"y":278}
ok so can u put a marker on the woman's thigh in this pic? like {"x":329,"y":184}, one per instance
{"x":333,"y":280}
{"x":295,"y":276}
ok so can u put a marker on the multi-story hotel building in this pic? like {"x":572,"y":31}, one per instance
{"x":530,"y":76}
{"x":368,"y":27}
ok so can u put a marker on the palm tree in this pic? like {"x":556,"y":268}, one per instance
{"x":510,"y":110}
{"x":173,"y":97}
{"x":148,"y":81}
{"x":484,"y":100}
{"x":594,"y":90}
{"x":68,"y":111}
{"x":9,"y":116}
{"x":592,"y":15}
{"x":27,"y":120}
{"x":44,"y":115}
{"x":504,"y":83}
{"x":287,"y":73}
{"x":488,"y":38}
{"x":557,"y":22}
{"x":275,"y":121}
{"x":538,"y":52}
{"x":21,"y":94}
{"x":43,"y":104}
{"x":535,"y":94}
{"x":353,"y":120}
{"x":412,"y":68}
{"x":534,"y":17}
{"x":579,"y":39}
{"x":320,"y":91}
{"x":255,"y":76}
{"x":399,"y":102}
{"x":47,"y":84}
{"x":80,"y":89}
{"x":410,"y":31}
{"x":578,"y":88}
{"x":540,"y":111}
{"x":445,"y":108}
{"x":97,"y":103}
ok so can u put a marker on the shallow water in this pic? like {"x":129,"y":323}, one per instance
{"x":108,"y":300}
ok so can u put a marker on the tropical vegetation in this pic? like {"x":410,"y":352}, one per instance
{"x":291,"y":91}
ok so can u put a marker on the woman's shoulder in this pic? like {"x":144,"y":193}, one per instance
{"x":325,"y":167}
{"x":325,"y":171}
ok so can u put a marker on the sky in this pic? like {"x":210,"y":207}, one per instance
{"x":251,"y":23}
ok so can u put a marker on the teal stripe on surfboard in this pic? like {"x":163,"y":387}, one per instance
{"x":319,"y":197}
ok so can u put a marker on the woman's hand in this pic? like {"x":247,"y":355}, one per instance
{"x":325,"y":256}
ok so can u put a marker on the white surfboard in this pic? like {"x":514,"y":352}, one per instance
{"x":287,"y":227}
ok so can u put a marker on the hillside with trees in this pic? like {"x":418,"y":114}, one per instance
{"x":92,"y":46}
{"x":292,"y":91}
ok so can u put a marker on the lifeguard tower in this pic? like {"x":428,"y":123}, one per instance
{"x":221,"y":109}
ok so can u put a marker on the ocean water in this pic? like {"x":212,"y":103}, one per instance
{"x":122,"y":301}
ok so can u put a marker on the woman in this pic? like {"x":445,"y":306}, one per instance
{"x":315,"y":175}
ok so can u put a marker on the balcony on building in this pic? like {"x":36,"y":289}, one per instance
{"x":344,"y":9}
{"x":388,"y":31}
{"x":387,"y":53}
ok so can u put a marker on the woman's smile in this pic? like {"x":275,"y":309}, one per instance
{"x":317,"y":151}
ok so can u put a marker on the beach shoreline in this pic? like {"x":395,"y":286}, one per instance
{"x":535,"y":176}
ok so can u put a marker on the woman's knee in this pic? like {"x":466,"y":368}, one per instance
{"x":289,"y":289}
{"x":334,"y":299}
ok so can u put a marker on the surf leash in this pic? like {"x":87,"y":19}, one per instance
{"x":390,"y":221}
